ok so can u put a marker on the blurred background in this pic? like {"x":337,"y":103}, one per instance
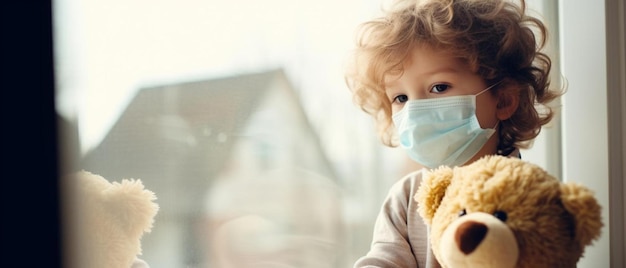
{"x":236,"y":114}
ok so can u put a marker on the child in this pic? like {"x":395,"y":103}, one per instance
{"x":450,"y":81}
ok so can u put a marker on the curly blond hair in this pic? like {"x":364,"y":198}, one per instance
{"x":496,"y":39}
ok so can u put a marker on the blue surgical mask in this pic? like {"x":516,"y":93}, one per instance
{"x":441,"y":131}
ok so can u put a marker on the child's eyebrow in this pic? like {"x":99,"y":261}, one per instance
{"x":444,"y":69}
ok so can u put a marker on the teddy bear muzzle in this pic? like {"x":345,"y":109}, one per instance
{"x":479,"y":240}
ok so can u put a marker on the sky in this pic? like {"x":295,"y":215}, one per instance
{"x":106,"y":50}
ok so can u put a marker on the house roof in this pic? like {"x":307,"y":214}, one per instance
{"x":180,"y":135}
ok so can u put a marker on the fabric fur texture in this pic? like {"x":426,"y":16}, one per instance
{"x":505,"y":212}
{"x":109,"y":220}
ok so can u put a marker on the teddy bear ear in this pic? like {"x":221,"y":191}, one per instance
{"x":580,"y":202}
{"x":132,"y":205}
{"x":431,"y":191}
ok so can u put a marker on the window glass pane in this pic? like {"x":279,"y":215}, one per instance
{"x":236,"y":115}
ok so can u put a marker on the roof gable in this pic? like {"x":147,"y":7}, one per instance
{"x":182,"y":135}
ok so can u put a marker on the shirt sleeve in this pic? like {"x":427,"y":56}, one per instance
{"x":391,"y":246}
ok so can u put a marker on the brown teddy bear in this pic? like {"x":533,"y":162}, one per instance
{"x":505,"y":212}
{"x":107,"y":221}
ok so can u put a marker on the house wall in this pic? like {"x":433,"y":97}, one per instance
{"x":278,"y":201}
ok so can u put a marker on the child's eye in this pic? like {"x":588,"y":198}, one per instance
{"x":401,"y":99}
{"x":439,"y":88}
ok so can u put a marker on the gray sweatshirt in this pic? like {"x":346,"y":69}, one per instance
{"x":400,"y":235}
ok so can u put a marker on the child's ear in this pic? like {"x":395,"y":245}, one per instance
{"x":508,"y":101}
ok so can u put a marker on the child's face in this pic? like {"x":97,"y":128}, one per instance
{"x":430,"y":73}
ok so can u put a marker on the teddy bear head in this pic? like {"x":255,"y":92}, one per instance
{"x":107,"y":220}
{"x":505,"y":212}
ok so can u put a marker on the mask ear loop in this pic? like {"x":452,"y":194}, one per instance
{"x":488,"y":88}
{"x":483,"y":91}
{"x":496,"y":125}
{"x":497,"y":121}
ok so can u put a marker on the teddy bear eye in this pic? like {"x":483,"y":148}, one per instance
{"x":462,"y":213}
{"x":501,"y":215}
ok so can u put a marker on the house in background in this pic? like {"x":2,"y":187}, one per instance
{"x":189,"y":142}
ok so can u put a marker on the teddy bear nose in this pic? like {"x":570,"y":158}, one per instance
{"x":469,"y":235}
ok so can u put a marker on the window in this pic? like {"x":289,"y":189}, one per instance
{"x":236,"y":115}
